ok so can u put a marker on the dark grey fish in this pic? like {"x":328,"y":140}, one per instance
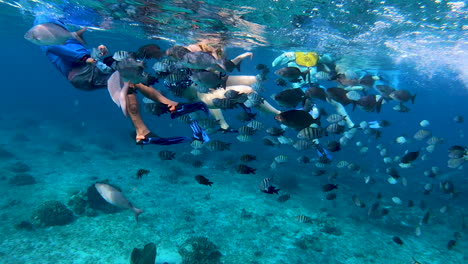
{"x":283,"y":198}
{"x":275,"y":131}
{"x":248,"y":158}
{"x":310,"y":133}
{"x":296,"y":119}
{"x":176,"y":52}
{"x":225,"y":103}
{"x":303,"y":159}
{"x":206,"y":80}
{"x":132,"y":70}
{"x":246,"y":130}
{"x":369,"y":103}
{"x":330,"y":196}
{"x":397,"y":240}
{"x":245,"y":117}
{"x":202,"y":61}
{"x":329,"y":187}
{"x":303,"y":145}
{"x":166,"y":155}
{"x":292,"y":74}
{"x":402,"y":96}
{"x":335,"y":128}
{"x":244,"y":169}
{"x":290,"y":97}
{"x":384,"y":90}
{"x":267,"y":187}
{"x":217,"y":145}
{"x":409,"y":157}
{"x":316,"y":92}
{"x":401,"y":108}
{"x":339,"y":95}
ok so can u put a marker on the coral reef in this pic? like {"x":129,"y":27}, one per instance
{"x":52,"y":213}
{"x":22,"y":179}
{"x":147,"y":255}
{"x":199,"y":250}
{"x":78,"y":203}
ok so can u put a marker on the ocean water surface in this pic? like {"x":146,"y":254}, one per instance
{"x":57,"y":141}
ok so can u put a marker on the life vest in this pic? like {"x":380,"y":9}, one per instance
{"x":306,"y":59}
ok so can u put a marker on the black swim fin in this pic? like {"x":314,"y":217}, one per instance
{"x":183,"y":109}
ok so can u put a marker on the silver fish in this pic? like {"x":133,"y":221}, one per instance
{"x":115,"y":197}
{"x":52,"y":34}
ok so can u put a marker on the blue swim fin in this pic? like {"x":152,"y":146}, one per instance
{"x":153,"y":139}
{"x":323,"y":152}
{"x":183,"y":109}
{"x":198,"y":132}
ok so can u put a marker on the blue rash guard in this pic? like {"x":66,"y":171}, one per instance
{"x":71,"y":54}
{"x":70,"y":59}
{"x":68,"y":56}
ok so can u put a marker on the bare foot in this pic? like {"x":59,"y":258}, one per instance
{"x":140,"y":135}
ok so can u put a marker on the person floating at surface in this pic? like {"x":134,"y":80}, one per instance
{"x":311,"y":64}
{"x":86,"y":72}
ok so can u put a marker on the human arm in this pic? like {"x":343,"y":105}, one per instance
{"x":239,"y":58}
{"x":72,"y":52}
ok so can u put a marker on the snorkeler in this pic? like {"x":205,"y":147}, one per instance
{"x":86,"y":71}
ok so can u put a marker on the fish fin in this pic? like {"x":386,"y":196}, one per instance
{"x":78,"y":35}
{"x":114,"y":85}
{"x":137,"y":212}
{"x":304,"y":75}
{"x":354,"y":105}
{"x":220,"y":65}
{"x":412,"y":98}
{"x":379,"y":105}
{"x":238,"y":66}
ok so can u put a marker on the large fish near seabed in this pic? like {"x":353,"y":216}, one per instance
{"x":52,"y":34}
{"x":115,"y":197}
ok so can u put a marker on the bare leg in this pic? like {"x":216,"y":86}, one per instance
{"x":268,"y":108}
{"x":155,"y":95}
{"x":241,"y":80}
{"x":134,"y":113}
{"x":218,"y":115}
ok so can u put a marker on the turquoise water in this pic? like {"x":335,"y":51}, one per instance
{"x":69,"y":139}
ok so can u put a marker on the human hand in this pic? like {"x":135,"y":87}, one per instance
{"x":103,"y":50}
{"x":90,"y":61}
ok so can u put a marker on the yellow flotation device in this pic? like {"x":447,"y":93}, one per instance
{"x":306,"y":59}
